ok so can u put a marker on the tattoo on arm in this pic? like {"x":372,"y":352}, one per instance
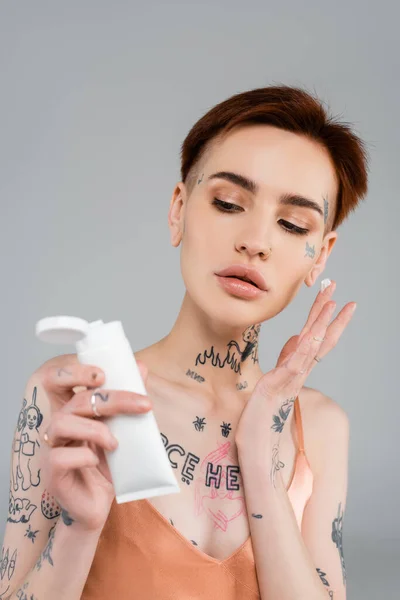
{"x":284,"y":412}
{"x":46,"y":554}
{"x":67,"y":520}
{"x":30,"y":534}
{"x":337,"y":538}
{"x":276,"y":464}
{"x":322,"y":576}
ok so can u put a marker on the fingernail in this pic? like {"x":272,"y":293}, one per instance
{"x":143,"y":402}
{"x":325,"y":283}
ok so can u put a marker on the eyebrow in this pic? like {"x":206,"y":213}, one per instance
{"x":251,"y":186}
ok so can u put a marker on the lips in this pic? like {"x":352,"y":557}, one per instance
{"x":247,"y":273}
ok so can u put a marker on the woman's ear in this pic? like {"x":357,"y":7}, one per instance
{"x":176,"y":214}
{"x":319,"y":266}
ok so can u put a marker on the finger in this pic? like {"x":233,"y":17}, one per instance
{"x":61,"y":380}
{"x":108,"y":403}
{"x":66,"y":459}
{"x":67,"y":428}
{"x":336,"y":328}
{"x":302,"y":361}
{"x":319,"y":302}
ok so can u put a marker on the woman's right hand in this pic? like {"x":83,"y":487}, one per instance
{"x":77,"y":472}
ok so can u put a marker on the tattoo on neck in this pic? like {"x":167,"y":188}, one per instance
{"x":234,"y":355}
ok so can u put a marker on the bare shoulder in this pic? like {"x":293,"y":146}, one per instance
{"x":324,"y":422}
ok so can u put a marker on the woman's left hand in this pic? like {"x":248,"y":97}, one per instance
{"x":269,"y":408}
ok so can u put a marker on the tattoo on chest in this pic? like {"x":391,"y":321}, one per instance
{"x":216,"y":478}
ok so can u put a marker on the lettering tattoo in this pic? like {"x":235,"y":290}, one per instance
{"x":20,"y":510}
{"x":195,"y":376}
{"x":234,"y":355}
{"x":30,"y":534}
{"x":322,"y":576}
{"x":337,"y":533}
{"x":46,"y":554}
{"x":284,"y":412}
{"x":310,"y":250}
{"x":218,"y":479}
{"x":25,"y":463}
{"x":276,"y":464}
{"x":326,"y":206}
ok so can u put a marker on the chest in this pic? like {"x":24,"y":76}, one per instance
{"x":210,"y":510}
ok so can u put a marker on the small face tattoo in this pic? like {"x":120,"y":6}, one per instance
{"x":310,"y":250}
{"x":326,"y":206}
{"x":201,"y":179}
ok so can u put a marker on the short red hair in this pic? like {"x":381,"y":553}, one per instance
{"x":292,"y":109}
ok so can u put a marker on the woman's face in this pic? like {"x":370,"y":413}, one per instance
{"x":256,"y":231}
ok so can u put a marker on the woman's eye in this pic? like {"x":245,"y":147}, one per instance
{"x":287,"y":227}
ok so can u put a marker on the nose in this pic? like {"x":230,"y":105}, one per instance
{"x":253,"y":248}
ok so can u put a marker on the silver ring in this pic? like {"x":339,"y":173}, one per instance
{"x":317,"y":359}
{"x":94,"y":407}
{"x":318,"y":339}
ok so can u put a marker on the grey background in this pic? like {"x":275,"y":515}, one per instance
{"x":96,"y":98}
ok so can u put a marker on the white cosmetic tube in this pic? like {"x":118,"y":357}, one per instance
{"x":139,"y":466}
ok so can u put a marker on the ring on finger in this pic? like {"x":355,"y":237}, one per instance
{"x":318,"y":339}
{"x":94,"y":407}
{"x":47,"y":439}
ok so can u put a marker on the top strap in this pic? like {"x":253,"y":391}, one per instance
{"x":299,"y":424}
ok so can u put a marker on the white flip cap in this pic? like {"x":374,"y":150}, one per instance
{"x":62,"y":329}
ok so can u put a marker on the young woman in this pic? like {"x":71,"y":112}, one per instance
{"x":266,"y":179}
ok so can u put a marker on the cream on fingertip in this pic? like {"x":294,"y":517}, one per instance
{"x":325,"y":283}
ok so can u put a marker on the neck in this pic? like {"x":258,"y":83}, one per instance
{"x":213,"y":358}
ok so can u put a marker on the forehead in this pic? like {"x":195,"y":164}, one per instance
{"x":279,"y":161}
